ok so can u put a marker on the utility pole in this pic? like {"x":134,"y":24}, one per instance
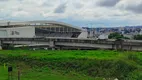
{"x":19,"y":72}
{"x":91,"y":31}
{"x":10,"y":73}
{"x":8,"y":23}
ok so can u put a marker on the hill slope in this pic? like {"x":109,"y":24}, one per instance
{"x":92,"y":64}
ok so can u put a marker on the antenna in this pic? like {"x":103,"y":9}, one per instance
{"x":8,"y":23}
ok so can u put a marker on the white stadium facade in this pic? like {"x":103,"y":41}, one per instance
{"x":30,"y":29}
{"x":56,"y":35}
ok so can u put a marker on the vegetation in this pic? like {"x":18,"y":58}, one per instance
{"x":76,"y":64}
{"x":117,"y":35}
{"x":28,"y":73}
{"x":138,"y":37}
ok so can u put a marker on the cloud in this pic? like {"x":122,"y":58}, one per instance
{"x":20,"y":13}
{"x":61,"y":8}
{"x":107,"y":3}
{"x":20,"y":9}
{"x":78,"y":5}
{"x":137,"y":8}
{"x":75,"y":10}
{"x":131,"y":5}
{"x":3,"y":0}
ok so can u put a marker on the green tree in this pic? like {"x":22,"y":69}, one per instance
{"x":115,"y":36}
{"x":138,"y":37}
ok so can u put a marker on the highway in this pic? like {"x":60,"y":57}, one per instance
{"x":60,"y":43}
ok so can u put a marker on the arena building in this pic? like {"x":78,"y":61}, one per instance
{"x":31,"y":29}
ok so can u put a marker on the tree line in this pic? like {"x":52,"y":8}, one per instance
{"x":117,"y":35}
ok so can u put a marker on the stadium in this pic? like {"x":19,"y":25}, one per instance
{"x":56,"y":35}
{"x":30,"y":29}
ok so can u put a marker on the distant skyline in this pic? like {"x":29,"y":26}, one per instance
{"x":92,"y":13}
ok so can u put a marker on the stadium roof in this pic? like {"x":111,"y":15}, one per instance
{"x":12,"y":23}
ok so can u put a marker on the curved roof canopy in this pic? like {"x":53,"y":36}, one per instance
{"x":34,"y":23}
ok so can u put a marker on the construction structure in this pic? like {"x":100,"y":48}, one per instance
{"x":30,"y":29}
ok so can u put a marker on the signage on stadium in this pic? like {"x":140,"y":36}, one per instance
{"x":15,"y":33}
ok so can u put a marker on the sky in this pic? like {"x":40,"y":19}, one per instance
{"x":91,"y":13}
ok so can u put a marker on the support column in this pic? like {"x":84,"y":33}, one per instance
{"x":113,"y":46}
{"x":59,"y":48}
{"x":46,"y":48}
{"x":119,"y":45}
{"x":0,"y":45}
{"x":52,"y":45}
{"x":53,"y":48}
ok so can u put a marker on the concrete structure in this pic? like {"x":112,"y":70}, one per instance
{"x":52,"y":34}
{"x":103,"y":36}
{"x":84,"y":34}
{"x":0,"y":45}
{"x":74,"y":43}
{"x":131,"y":36}
{"x":91,"y":32}
{"x":141,"y":32}
{"x":46,"y":29}
{"x":25,"y":32}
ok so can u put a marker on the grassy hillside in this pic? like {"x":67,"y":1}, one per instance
{"x":44,"y":74}
{"x":76,"y":64}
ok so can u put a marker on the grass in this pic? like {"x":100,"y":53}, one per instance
{"x":99,"y":54}
{"x":73,"y":54}
{"x":3,"y":73}
{"x":44,"y":74}
{"x":73,"y":64}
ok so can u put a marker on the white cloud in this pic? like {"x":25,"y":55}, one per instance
{"x":108,"y":3}
{"x":76,"y":9}
{"x":20,"y":13}
{"x":131,"y":5}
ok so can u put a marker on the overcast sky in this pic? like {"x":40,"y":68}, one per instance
{"x":95,"y":13}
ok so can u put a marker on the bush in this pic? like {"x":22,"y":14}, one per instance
{"x":95,"y":68}
{"x":7,"y":46}
{"x":115,"y":36}
{"x":138,"y":37}
{"x":135,"y":75}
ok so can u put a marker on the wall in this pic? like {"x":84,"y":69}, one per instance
{"x":3,"y":33}
{"x":84,"y":34}
{"x":23,"y":32}
{"x":103,"y":36}
{"x":0,"y":45}
{"x":129,"y":36}
{"x":141,"y":32}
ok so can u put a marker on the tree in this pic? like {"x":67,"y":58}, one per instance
{"x":115,"y":35}
{"x":138,"y":37}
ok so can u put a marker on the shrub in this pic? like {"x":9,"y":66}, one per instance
{"x":115,"y":36}
{"x":138,"y":37}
